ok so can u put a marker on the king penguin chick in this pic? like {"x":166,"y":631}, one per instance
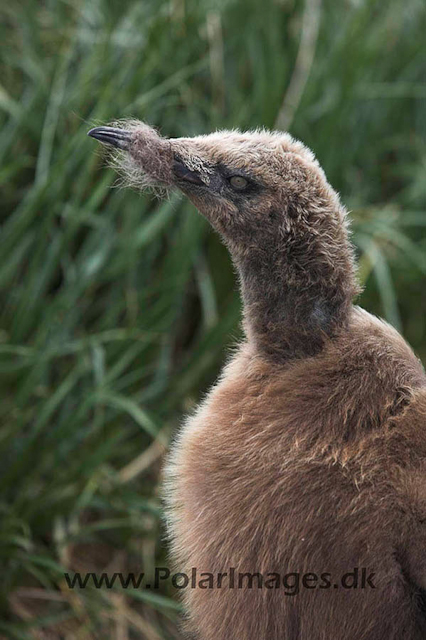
{"x":306,"y":462}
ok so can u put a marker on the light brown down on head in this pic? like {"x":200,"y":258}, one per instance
{"x":288,"y":235}
{"x":309,"y":454}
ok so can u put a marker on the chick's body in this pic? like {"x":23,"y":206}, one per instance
{"x":309,"y":456}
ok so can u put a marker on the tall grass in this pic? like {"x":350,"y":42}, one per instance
{"x":117,"y":309}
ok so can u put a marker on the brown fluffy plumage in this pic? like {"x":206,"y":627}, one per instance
{"x":309,"y":454}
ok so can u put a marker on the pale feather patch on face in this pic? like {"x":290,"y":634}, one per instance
{"x":194,"y":161}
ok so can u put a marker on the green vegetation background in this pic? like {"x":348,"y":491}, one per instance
{"x":116,"y":309}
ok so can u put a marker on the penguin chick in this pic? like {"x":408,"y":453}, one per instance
{"x":308,"y":457}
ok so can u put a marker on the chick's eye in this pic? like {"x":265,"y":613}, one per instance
{"x":238,"y":182}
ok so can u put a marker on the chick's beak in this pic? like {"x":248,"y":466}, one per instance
{"x":118,"y":138}
{"x":155,"y":157}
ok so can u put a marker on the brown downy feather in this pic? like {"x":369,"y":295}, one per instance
{"x":309,"y":454}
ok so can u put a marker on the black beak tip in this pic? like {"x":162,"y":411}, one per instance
{"x":119,"y":138}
